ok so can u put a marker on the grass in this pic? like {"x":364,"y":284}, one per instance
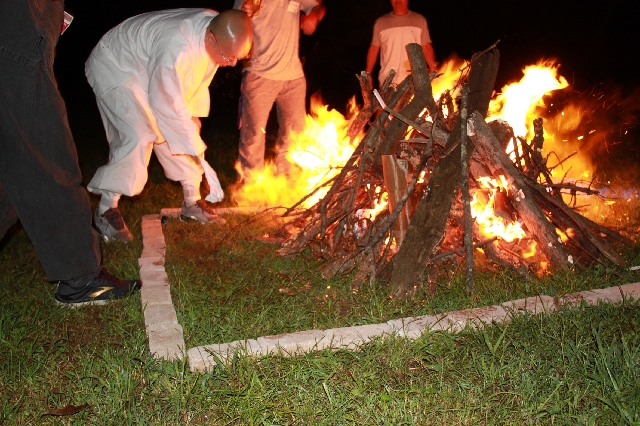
{"x":229,"y":286}
{"x":573,"y":367}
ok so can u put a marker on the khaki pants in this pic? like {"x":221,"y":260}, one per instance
{"x":258,"y":96}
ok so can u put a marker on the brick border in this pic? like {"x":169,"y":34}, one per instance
{"x":204,"y":358}
{"x":166,"y":339}
{"x":165,"y":334}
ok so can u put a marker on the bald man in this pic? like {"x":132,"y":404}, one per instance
{"x":391,"y":34}
{"x":151,"y":77}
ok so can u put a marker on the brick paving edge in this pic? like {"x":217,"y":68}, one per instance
{"x":166,"y":336}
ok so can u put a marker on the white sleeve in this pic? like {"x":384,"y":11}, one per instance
{"x":237,"y":4}
{"x":167,"y":101}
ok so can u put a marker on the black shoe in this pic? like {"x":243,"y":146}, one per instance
{"x":98,"y":291}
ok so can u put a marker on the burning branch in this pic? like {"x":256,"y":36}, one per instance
{"x":353,"y":226}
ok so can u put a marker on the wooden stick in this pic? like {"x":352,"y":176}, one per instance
{"x":520,"y":194}
{"x":430,"y":218}
{"x":459,"y":253}
{"x":466,"y":198}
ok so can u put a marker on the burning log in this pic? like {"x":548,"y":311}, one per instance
{"x":395,"y":182}
{"x":466,"y":201}
{"x":429,"y":220}
{"x":369,"y":106}
{"x":520,"y":194}
{"x":422,"y":99}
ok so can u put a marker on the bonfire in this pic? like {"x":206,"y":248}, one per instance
{"x":438,"y":169}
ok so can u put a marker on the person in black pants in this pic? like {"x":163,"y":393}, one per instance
{"x":40,"y":179}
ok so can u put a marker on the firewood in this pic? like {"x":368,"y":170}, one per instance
{"x":395,"y":181}
{"x":466,"y":198}
{"x":336,"y":231}
{"x":600,"y":245}
{"x":369,"y":106}
{"x":520,"y":194}
{"x":427,"y":226}
{"x":423,"y":98}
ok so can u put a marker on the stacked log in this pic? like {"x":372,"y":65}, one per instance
{"x":337,"y":229}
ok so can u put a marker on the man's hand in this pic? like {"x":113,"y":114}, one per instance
{"x":247,"y":7}
{"x":198,"y":123}
{"x":430,"y":57}
{"x":310,"y":20}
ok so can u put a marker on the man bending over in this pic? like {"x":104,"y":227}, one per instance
{"x":151,"y":77}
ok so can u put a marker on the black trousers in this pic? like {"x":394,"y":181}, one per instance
{"x":40,"y":180}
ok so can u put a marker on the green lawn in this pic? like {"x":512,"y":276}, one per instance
{"x":573,"y":367}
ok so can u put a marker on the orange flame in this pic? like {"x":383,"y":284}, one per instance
{"x":450,"y":70}
{"x":531,"y":251}
{"x":319,"y":151}
{"x":482,"y":210}
{"x":519,"y":102}
{"x":379,"y":205}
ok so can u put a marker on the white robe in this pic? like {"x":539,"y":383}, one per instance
{"x":151,"y":76}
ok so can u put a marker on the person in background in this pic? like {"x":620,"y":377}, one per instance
{"x":274,"y":75}
{"x":391,"y":34}
{"x":40,"y":179}
{"x":151,"y":77}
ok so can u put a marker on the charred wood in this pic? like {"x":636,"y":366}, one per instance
{"x":520,"y":194}
{"x":429,"y":220}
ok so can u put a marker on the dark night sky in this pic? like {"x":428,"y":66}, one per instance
{"x":593,"y":44}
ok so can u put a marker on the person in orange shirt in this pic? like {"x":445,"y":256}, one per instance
{"x":391,"y":34}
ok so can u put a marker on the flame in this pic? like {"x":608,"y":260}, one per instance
{"x":482,"y":210}
{"x":566,"y":235}
{"x":319,"y":151}
{"x":450,"y":70}
{"x":531,"y":251}
{"x":519,"y":102}
{"x":379,"y":205}
{"x":322,"y":148}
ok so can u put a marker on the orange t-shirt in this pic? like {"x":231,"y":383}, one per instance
{"x":392,"y":33}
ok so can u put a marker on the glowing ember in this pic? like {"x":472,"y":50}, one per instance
{"x":483,"y":211}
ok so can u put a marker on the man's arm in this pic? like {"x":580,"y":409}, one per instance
{"x":246,"y":6}
{"x":167,"y":101}
{"x":372,"y":57}
{"x":310,"y":20}
{"x":430,"y":56}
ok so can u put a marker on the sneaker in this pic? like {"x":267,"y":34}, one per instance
{"x":111,"y":226}
{"x":201,"y":212}
{"x":103,"y":288}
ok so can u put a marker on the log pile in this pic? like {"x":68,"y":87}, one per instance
{"x":422,"y":174}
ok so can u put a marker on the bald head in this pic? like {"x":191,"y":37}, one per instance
{"x":233,"y":33}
